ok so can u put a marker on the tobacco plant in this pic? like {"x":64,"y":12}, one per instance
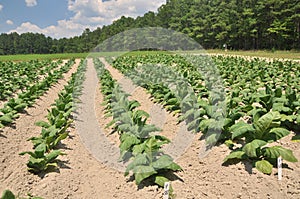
{"x":55,"y":128}
{"x":138,"y":145}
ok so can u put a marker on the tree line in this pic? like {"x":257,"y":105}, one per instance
{"x":240,"y":24}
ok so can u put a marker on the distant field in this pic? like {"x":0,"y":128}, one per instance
{"x":267,"y":54}
{"x":260,"y":53}
{"x":41,"y":56}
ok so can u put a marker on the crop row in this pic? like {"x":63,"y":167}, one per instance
{"x":139,"y":145}
{"x":21,"y":75}
{"x":226,"y":103}
{"x":55,"y":128}
{"x":16,"y":105}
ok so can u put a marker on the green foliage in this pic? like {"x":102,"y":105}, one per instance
{"x":262,"y":100}
{"x":264,"y":166}
{"x":138,"y":146}
{"x":40,"y":160}
{"x":240,"y":25}
{"x":29,"y":84}
{"x":265,"y":129}
{"x":55,"y":129}
{"x":7,"y":194}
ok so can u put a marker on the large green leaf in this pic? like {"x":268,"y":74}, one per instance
{"x":143,"y":172}
{"x":7,"y":194}
{"x":132,"y":105}
{"x":280,"y":107}
{"x":236,"y":155}
{"x":137,"y":149}
{"x":42,"y":124}
{"x":36,"y":164}
{"x":140,"y":113}
{"x":20,"y":107}
{"x":53,"y":154}
{"x":140,"y":159}
{"x":6,"y":119}
{"x":162,"y":162}
{"x":276,"y":151}
{"x":174,"y":167}
{"x":152,"y":145}
{"x":204,"y":124}
{"x":289,"y":118}
{"x":40,"y":150}
{"x":161,"y":180}
{"x":250,"y":148}
{"x":128,"y":141}
{"x":28,"y":152}
{"x":240,"y":129}
{"x":212,"y":137}
{"x":147,"y":129}
{"x":267,"y":121}
{"x":264,"y":166}
{"x":278,"y":133}
{"x":59,"y":138}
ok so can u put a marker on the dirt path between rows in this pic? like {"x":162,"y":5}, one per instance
{"x":86,"y":173}
{"x":13,"y":170}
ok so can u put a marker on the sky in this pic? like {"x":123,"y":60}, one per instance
{"x":67,"y":18}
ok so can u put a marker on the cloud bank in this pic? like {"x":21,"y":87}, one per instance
{"x":91,"y":14}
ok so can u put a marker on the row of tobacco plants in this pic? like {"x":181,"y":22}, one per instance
{"x":55,"y":129}
{"x":20,"y":75}
{"x":36,"y":78}
{"x":248,"y":105}
{"x":140,"y":147}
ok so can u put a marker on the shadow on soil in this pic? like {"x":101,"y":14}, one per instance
{"x":150,"y":181}
{"x":60,"y":165}
{"x":248,"y":165}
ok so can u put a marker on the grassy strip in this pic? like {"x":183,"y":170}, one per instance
{"x":42,"y":56}
{"x":259,"y":53}
{"x":29,"y":57}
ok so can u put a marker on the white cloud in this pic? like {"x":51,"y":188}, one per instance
{"x":30,"y":3}
{"x":91,"y":14}
{"x":1,"y":6}
{"x":64,"y":28}
{"x":96,"y":11}
{"x":9,"y":22}
{"x":27,"y":27}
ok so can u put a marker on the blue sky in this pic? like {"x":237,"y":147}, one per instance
{"x":67,"y":18}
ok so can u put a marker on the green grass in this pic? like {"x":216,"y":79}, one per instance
{"x":260,"y":53}
{"x":267,"y":54}
{"x":41,"y":56}
{"x":29,"y":57}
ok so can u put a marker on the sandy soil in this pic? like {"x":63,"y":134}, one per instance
{"x":82,"y":175}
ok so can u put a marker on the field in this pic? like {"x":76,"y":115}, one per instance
{"x":121,"y":127}
{"x":260,"y":53}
